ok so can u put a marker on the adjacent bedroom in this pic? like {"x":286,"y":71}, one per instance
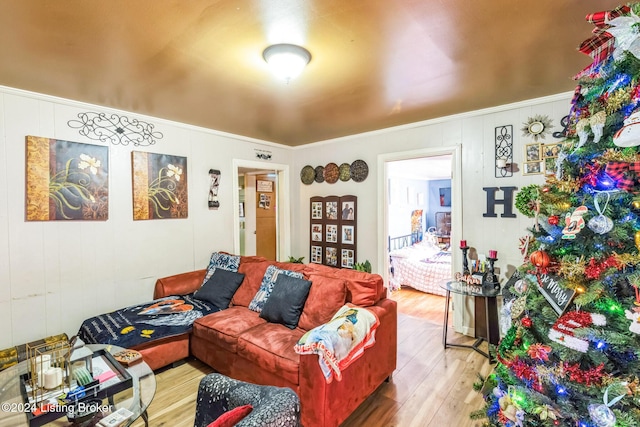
{"x":419,"y":227}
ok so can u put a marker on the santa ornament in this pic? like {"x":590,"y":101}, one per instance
{"x":563,"y":331}
{"x":574,"y":223}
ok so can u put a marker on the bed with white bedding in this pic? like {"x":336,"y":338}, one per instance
{"x":423,"y":265}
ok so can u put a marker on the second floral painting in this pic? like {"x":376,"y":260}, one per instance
{"x":159,"y":186}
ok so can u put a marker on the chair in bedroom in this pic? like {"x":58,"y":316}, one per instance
{"x":232,"y":402}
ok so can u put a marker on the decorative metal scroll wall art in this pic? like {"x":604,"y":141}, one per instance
{"x":263,"y":154}
{"x":504,"y":151}
{"x":565,"y":128}
{"x":117,"y":130}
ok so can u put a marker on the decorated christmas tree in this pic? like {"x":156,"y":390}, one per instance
{"x":571,"y":356}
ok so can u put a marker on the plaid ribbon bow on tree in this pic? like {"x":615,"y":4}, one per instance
{"x":601,"y":44}
{"x":624,"y":174}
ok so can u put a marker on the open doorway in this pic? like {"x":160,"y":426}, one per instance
{"x":422,"y":211}
{"x":261,"y":216}
{"x":419,"y":223}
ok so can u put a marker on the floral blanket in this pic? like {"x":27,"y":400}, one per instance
{"x":137,"y":324}
{"x":341,"y":341}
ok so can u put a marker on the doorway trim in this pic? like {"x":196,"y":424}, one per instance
{"x":383,"y":196}
{"x":283,"y":204}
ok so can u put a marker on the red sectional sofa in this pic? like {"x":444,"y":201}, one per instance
{"x":238,"y":343}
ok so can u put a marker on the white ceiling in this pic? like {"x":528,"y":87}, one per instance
{"x":426,"y":168}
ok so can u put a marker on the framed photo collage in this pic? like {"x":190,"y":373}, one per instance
{"x":333,"y":231}
{"x":541,"y":158}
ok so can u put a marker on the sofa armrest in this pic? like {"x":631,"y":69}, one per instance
{"x":336,"y":400}
{"x":179,"y":284}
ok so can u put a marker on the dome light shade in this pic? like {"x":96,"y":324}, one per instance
{"x":286,"y":60}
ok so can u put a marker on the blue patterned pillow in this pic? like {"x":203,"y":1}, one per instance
{"x":224,"y":261}
{"x":268,"y":280}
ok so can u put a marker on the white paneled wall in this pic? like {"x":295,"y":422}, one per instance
{"x":475,"y":133}
{"x":54,"y":274}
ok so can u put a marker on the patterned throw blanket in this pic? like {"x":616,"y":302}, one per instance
{"x":137,"y":324}
{"x":341,"y":341}
{"x":439,"y":258}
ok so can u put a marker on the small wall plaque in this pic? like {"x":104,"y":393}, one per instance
{"x":264,"y":186}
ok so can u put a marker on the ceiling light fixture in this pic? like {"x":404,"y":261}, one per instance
{"x":286,"y":60}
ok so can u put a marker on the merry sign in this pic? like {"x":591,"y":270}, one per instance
{"x":557,"y":295}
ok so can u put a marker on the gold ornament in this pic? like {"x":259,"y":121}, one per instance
{"x":617,"y":99}
{"x":636,"y":238}
{"x":612,"y":155}
{"x":574,"y":269}
{"x":627,"y":259}
{"x":518,"y":307}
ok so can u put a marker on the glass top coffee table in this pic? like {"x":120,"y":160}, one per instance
{"x":136,"y":398}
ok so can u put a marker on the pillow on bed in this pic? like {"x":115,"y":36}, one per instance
{"x":220,"y":287}
{"x":224,"y":261}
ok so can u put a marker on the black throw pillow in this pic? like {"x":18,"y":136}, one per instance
{"x":286,"y":301}
{"x":220,"y":287}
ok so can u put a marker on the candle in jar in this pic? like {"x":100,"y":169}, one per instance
{"x":463,"y":243}
{"x":42,"y":363}
{"x":52,"y":378}
{"x":493,"y":254}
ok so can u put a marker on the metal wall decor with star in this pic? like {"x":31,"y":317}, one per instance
{"x":537,"y":127}
{"x":115,"y":129}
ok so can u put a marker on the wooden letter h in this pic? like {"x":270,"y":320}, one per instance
{"x":507,"y":202}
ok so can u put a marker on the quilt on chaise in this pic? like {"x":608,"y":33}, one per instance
{"x":141,"y":323}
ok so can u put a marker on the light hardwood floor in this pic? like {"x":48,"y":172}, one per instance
{"x":430,"y":387}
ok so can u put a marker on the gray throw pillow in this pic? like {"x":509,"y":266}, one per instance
{"x":220,"y":287}
{"x":286,"y":301}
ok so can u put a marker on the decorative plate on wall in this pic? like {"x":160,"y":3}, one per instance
{"x":345,"y":172}
{"x":359,"y":170}
{"x":307,"y":175}
{"x":319,"y":174}
{"x":331,"y":173}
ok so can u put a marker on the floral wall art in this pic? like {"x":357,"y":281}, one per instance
{"x":66,"y":180}
{"x":159,"y":186}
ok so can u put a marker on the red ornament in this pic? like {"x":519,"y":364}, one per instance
{"x":540,"y":259}
{"x":553,"y":220}
{"x":591,"y":376}
{"x":594,"y":269}
{"x":526,"y":322}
